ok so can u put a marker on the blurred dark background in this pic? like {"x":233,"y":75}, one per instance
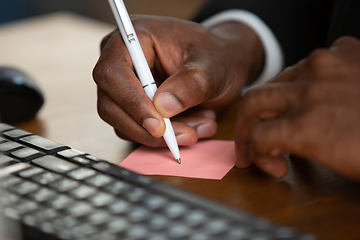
{"x":11,"y":10}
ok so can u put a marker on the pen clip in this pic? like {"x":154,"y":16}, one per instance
{"x":125,"y":20}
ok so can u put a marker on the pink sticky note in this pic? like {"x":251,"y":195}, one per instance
{"x":210,"y":159}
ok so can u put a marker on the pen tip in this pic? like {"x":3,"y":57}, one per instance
{"x":179,"y":160}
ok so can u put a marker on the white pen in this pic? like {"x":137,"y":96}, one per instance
{"x":141,"y":66}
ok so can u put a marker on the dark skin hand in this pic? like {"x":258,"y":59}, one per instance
{"x":311,"y":110}
{"x":194,"y":70}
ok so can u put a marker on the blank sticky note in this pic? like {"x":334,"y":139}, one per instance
{"x":209,"y":159}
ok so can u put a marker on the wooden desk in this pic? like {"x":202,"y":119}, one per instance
{"x":60,"y":50}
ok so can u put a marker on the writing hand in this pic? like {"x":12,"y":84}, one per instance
{"x":198,"y":71}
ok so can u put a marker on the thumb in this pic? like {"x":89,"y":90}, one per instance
{"x":188,"y":87}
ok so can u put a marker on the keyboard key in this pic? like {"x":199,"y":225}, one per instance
{"x":80,"y":209}
{"x":94,"y":159}
{"x":158,"y":222}
{"x":195,"y":218}
{"x":44,"y":214}
{"x":47,"y":227}
{"x":7,"y":147}
{"x":26,"y":154}
{"x":100,"y":217}
{"x":102,"y":199}
{"x":61,"y":201}
{"x":239,"y":233}
{"x":175,"y":210}
{"x":178,"y":231}
{"x":155,"y":202}
{"x":136,"y":194}
{"x":100,"y":180}
{"x":119,"y":207}
{"x":43,"y":144}
{"x":6,"y":160}
{"x":103,"y":236}
{"x":65,"y":222}
{"x":216,"y":226}
{"x":46,"y":177}
{"x":10,"y":181}
{"x":118,"y":225}
{"x":138,"y":214}
{"x":27,"y":206}
{"x":82,"y":161}
{"x":10,"y":199}
{"x":285,"y":233}
{"x":30,"y":172}
{"x":83,"y":192}
{"x":16,"y":133}
{"x":54,"y":164}
{"x":30,"y":220}
{"x":81,"y":173}
{"x":42,"y":195}
{"x":137,"y":232}
{"x":84,"y":230}
{"x":4,"y":127}
{"x":115,"y":171}
{"x":24,"y":188}
{"x":64,"y":185}
{"x":118,"y":187}
{"x":203,"y":236}
{"x":70,"y":153}
{"x":158,"y":236}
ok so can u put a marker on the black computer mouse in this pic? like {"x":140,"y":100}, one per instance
{"x":20,"y":97}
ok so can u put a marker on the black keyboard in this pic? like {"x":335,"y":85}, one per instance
{"x":60,"y":193}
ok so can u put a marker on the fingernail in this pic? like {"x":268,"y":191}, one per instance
{"x":152,"y":125}
{"x":205,"y":130}
{"x":185,"y":139}
{"x":210,"y":114}
{"x":167,"y":104}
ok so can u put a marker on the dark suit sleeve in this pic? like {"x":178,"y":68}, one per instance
{"x":299,"y":25}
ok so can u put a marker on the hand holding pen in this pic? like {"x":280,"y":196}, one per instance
{"x":141,"y":67}
{"x":194,"y":70}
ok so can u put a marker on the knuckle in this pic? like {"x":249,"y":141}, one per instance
{"x":200,"y":83}
{"x":250,"y":97}
{"x":320,"y":60}
{"x":346,"y":40}
{"x":103,"y":109}
{"x":100,"y":71}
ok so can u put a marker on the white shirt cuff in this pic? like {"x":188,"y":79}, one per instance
{"x":273,"y":54}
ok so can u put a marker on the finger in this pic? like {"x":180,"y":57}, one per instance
{"x":289,"y":74}
{"x":274,"y":166}
{"x":107,"y":37}
{"x":270,"y":100}
{"x":197,"y":81}
{"x":204,"y":127}
{"x":271,"y":139}
{"x":125,"y":126}
{"x":188,"y":87}
{"x":264,"y":102}
{"x":114,"y":74}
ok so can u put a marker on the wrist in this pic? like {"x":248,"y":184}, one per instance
{"x":273,"y":59}
{"x":245,"y":46}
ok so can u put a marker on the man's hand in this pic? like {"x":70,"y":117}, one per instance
{"x":194,"y":67}
{"x":311,"y":110}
